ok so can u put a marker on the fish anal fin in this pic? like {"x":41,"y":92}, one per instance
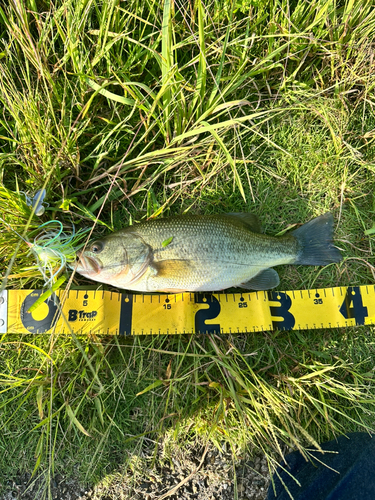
{"x":251,"y":221}
{"x":262,"y":281}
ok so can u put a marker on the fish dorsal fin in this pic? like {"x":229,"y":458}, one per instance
{"x":263,"y":281}
{"x":250,"y":221}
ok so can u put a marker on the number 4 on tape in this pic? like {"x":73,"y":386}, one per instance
{"x":353,"y":307}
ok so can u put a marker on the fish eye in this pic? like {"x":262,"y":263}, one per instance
{"x":96,"y":247}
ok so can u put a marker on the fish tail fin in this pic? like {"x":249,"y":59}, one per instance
{"x":315,"y":241}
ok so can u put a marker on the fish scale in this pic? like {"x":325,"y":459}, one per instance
{"x":220,"y":254}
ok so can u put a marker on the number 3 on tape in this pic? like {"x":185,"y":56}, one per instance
{"x":282,"y":311}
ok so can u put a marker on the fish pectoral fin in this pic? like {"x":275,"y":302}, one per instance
{"x":169,"y":268}
{"x":250,"y":221}
{"x":263,"y":281}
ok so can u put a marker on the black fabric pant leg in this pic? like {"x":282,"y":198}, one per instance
{"x":354,"y":461}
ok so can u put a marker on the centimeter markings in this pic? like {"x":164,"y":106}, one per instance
{"x":116,"y":313}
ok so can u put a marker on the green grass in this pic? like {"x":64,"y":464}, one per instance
{"x":124,"y":111}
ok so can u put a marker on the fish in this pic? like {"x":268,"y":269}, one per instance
{"x":204,"y":253}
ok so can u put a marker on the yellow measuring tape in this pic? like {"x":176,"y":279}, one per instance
{"x":116,"y":313}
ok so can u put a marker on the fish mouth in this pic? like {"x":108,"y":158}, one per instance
{"x":87,"y":265}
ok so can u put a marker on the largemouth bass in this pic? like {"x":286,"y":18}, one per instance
{"x":204,"y":253}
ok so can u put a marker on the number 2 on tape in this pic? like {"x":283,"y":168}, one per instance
{"x":203,"y":314}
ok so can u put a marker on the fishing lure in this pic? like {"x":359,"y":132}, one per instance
{"x":37,"y":202}
{"x":54,"y":249}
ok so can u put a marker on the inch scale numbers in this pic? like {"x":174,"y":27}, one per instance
{"x":116,"y":313}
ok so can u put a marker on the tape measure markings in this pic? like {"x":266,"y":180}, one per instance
{"x":89,"y":311}
{"x":126,"y":314}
